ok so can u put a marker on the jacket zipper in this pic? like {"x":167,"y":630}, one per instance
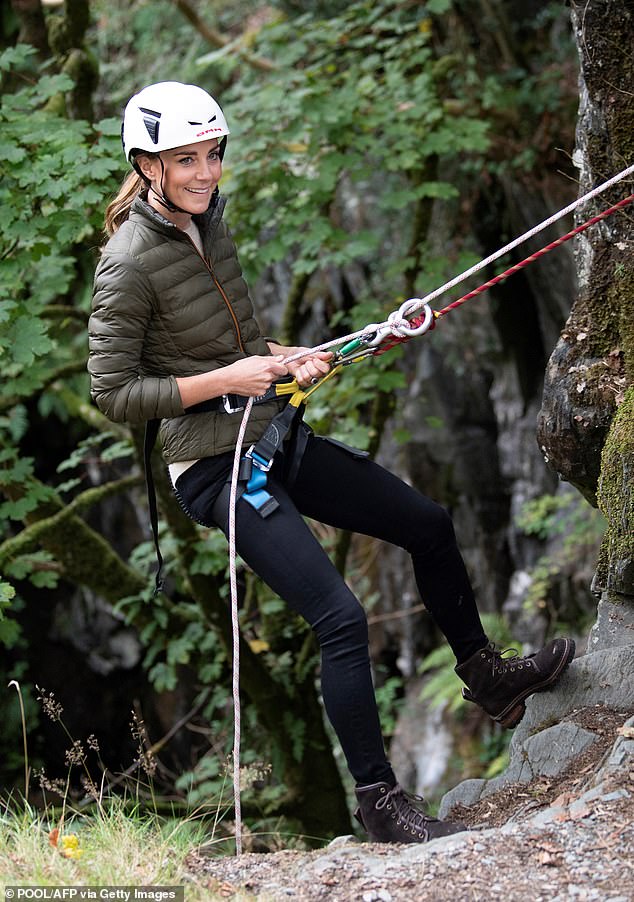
{"x":236,"y":325}
{"x":229,"y":307}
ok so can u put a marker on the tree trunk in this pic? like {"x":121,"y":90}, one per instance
{"x":32,"y":25}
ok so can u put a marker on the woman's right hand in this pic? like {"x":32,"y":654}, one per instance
{"x":253,"y":375}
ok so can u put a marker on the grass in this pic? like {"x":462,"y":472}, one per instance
{"x":117,"y":841}
{"x":113,"y":846}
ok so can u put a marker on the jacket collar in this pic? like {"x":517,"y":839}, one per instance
{"x":207,"y":222}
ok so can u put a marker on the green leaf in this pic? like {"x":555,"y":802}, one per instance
{"x":28,"y":339}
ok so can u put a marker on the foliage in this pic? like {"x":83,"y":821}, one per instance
{"x":362,"y":113}
{"x":494,"y":752}
{"x":443,"y":686}
{"x":137,"y":31}
{"x":59,"y":170}
{"x":573,"y":530}
{"x":389,"y":702}
{"x":123,"y":845}
{"x":8,"y":628}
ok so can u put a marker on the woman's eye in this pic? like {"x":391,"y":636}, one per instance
{"x":213,"y":155}
{"x":186,"y":161}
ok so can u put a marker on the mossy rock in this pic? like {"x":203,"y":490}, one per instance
{"x":616,"y":497}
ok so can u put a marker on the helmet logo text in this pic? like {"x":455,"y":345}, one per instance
{"x":208,"y":131}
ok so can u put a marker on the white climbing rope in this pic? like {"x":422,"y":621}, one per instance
{"x":395,"y":324}
{"x":235,"y":625}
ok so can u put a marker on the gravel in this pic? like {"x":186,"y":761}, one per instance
{"x":572,"y":839}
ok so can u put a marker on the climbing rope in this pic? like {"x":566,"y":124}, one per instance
{"x":387,"y":344}
{"x":536,"y":256}
{"x":235,"y":625}
{"x":375,"y":339}
{"x":397,"y":320}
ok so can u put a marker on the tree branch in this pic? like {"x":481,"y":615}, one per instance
{"x":65,"y":311}
{"x":42,"y":531}
{"x":212,"y":36}
{"x":292,"y":319}
{"x":62,"y":372}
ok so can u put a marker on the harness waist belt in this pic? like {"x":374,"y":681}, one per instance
{"x":231,"y":403}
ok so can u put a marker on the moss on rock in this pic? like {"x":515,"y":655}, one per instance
{"x":616,"y":497}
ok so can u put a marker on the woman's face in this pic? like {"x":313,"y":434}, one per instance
{"x":190,"y":176}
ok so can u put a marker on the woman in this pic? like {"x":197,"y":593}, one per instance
{"x":173,"y":337}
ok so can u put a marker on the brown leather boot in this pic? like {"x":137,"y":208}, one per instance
{"x":391,"y":815}
{"x":500,"y":685}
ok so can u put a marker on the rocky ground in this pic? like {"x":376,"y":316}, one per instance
{"x":569,"y":836}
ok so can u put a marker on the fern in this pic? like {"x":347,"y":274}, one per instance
{"x":443,"y":687}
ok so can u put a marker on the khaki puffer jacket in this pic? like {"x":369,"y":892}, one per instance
{"x":160,"y":311}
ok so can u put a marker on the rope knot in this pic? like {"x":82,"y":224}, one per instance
{"x":398,"y":324}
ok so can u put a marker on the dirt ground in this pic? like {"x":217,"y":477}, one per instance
{"x":549,"y":841}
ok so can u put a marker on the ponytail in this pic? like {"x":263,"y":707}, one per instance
{"x":118,"y":209}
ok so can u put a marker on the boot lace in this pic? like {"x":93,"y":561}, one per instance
{"x":402,"y":807}
{"x":511,"y":663}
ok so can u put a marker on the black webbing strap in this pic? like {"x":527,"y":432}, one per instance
{"x":149,"y":440}
{"x":277,"y":430}
{"x":231,"y":403}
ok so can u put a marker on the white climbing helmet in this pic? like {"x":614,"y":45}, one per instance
{"x":170,"y":114}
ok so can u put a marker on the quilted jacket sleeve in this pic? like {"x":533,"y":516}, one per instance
{"x":120,"y":383}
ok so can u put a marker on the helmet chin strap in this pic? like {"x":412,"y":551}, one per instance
{"x":164,"y":200}
{"x":162,"y":197}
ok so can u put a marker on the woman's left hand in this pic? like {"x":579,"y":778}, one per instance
{"x":306,"y":370}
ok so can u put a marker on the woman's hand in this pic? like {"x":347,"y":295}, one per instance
{"x":307,"y":369}
{"x":251,"y":377}
{"x":310,"y":369}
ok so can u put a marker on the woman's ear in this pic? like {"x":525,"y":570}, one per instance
{"x":148,"y":166}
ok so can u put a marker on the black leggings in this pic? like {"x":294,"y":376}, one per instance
{"x":337,"y":487}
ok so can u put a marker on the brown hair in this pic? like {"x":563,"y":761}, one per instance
{"x":118,"y":209}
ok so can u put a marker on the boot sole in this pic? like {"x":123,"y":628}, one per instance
{"x":513,"y":713}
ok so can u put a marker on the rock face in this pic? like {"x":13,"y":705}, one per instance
{"x":542,"y":849}
{"x":546,"y":745}
{"x":585,"y":424}
{"x":589,"y":370}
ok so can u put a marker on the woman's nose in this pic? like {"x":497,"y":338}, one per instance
{"x":208,"y":169}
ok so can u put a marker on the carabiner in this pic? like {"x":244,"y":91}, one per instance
{"x":411,"y":331}
{"x":374,"y":334}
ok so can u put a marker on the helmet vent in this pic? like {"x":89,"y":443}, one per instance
{"x":200,"y":123}
{"x":189,"y":122}
{"x":151,"y":120}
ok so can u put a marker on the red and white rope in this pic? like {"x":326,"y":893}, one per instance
{"x":413,"y":304}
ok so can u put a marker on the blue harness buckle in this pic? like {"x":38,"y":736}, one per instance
{"x":254,"y":470}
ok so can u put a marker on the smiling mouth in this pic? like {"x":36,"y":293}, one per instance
{"x":198,"y":190}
